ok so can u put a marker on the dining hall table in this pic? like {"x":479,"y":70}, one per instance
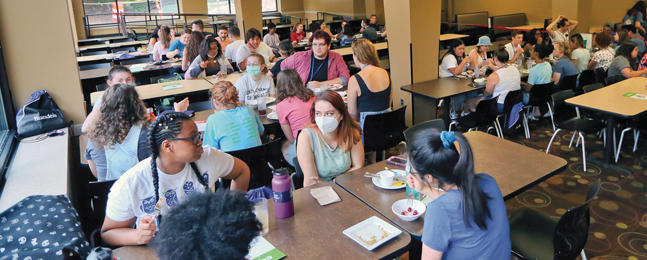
{"x":314,"y":232}
{"x":515,"y":167}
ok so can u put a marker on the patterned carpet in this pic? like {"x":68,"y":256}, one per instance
{"x":618,"y":215}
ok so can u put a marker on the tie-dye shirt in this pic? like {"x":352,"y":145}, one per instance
{"x":133,"y":195}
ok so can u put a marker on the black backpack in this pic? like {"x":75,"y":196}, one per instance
{"x":39,"y":115}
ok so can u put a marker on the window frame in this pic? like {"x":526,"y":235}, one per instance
{"x":276,"y":4}
{"x":150,"y":17}
{"x":7,"y":141}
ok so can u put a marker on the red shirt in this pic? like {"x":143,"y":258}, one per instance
{"x":297,"y":37}
{"x":295,"y":112}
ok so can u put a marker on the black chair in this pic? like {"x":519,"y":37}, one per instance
{"x":133,"y":35}
{"x":538,"y":236}
{"x":539,"y":96}
{"x":600,"y":74}
{"x":90,"y":53}
{"x":484,"y":116}
{"x":592,"y":87}
{"x":260,"y":172}
{"x":125,"y":49}
{"x":94,"y":66}
{"x":136,"y":60}
{"x":99,"y":195}
{"x":195,"y":106}
{"x":102,"y":86}
{"x":613,"y":79}
{"x":383,"y":131}
{"x":576,"y":124}
{"x":511,"y":99}
{"x":436,"y":123}
{"x":587,"y":77}
{"x":568,"y":82}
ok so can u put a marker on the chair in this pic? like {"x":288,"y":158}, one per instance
{"x":94,"y":66}
{"x":124,"y":49}
{"x":484,"y":116}
{"x":123,"y":40}
{"x":102,"y":86}
{"x":592,"y":87}
{"x":383,"y":131}
{"x":411,"y":131}
{"x":637,"y":125}
{"x":132,"y":61}
{"x":600,"y":74}
{"x":99,"y":195}
{"x":587,"y":77}
{"x":539,"y":96}
{"x":511,"y":99}
{"x":133,"y":34}
{"x":90,"y":53}
{"x":613,"y":79}
{"x":576,"y":124}
{"x":260,"y":172}
{"x":195,"y":106}
{"x":537,"y":236}
{"x":568,"y":82}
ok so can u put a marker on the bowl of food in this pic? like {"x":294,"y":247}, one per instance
{"x":481,"y":81}
{"x":406,"y":212}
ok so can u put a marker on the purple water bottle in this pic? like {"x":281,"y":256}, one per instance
{"x":282,"y":188}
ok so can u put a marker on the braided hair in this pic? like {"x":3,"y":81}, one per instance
{"x":165,"y":127}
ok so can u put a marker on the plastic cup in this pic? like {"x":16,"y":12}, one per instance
{"x":262,"y":106}
{"x":223,"y":69}
{"x":261,"y":212}
{"x":386,"y":178}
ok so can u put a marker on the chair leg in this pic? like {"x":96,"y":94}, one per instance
{"x":497,"y":126}
{"x":583,"y":255}
{"x":583,"y":152}
{"x":526,"y":127}
{"x":451,"y":124}
{"x":636,"y":136}
{"x":551,"y":140}
{"x":578,"y":139}
{"x":622,"y":135}
{"x":551,"y":115}
{"x":614,"y":140}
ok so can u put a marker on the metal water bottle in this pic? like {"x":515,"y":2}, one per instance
{"x":282,"y":189}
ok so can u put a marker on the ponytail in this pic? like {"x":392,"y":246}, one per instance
{"x":474,"y":198}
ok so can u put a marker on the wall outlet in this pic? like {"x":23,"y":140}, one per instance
{"x":402,"y":101}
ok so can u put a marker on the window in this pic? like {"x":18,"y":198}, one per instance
{"x":228,"y":6}
{"x":104,"y":11}
{"x":7,"y":122}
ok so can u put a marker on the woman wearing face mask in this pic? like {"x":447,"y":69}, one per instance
{"x":255,"y":83}
{"x":467,"y":218}
{"x":331,"y":143}
{"x":286,"y":49}
{"x":209,"y":62}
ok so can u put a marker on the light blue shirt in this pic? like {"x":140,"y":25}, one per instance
{"x":177,"y":45}
{"x":541,"y":73}
{"x":234,"y":129}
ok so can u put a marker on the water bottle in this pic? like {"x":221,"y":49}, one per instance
{"x":282,"y":189}
{"x":529,"y":64}
{"x":411,"y":192}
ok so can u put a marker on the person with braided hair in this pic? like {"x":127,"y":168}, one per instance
{"x":178,"y":167}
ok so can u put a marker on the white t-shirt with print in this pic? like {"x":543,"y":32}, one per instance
{"x":133,"y":194}
{"x":248,"y":89}
{"x":449,"y":62}
{"x":243,"y":52}
{"x":230,"y":50}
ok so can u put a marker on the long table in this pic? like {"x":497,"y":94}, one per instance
{"x":314,"y":232}
{"x":103,"y":72}
{"x":349,"y":51}
{"x":515,"y":167}
{"x":113,"y":45}
{"x":108,"y":57}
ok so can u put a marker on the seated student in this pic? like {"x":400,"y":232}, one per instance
{"x":453,"y":64}
{"x":177,"y":47}
{"x":198,"y":26}
{"x":313,"y":27}
{"x":564,"y":66}
{"x":635,"y":16}
{"x":272,"y":38}
{"x":254,"y":45}
{"x":624,"y":63}
{"x":255,"y":83}
{"x":580,"y":55}
{"x":209,"y":62}
{"x":369,"y":91}
{"x":223,"y":37}
{"x":183,"y":228}
{"x":294,"y":102}
{"x":319,"y":65}
{"x":286,"y":49}
{"x":466,"y":218}
{"x":233,"y":127}
{"x":478,"y":57}
{"x":340,"y":31}
{"x":534,"y":36}
{"x":178,"y":167}
{"x":323,"y":27}
{"x":298,"y":33}
{"x":369,"y":32}
{"x":541,"y":73}
{"x":623,"y":36}
{"x":154,"y":38}
{"x":603,"y":57}
{"x":331,"y":143}
{"x":373,"y":23}
{"x":514,"y":48}
{"x":347,"y":36}
{"x":192,"y":49}
{"x":559,"y":29}
{"x":608,"y":28}
{"x":500,"y":82}
{"x":636,"y":38}
{"x":161,"y":46}
{"x":234,"y":37}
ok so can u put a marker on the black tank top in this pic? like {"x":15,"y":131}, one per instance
{"x":371,"y":101}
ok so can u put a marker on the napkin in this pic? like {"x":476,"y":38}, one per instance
{"x":325,"y":195}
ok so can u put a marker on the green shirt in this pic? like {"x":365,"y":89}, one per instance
{"x":330,"y":162}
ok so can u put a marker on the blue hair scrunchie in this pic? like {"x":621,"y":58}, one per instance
{"x":448,"y":138}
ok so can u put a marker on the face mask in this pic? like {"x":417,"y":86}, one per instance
{"x":363,"y":26}
{"x":327,"y":124}
{"x":254,"y":70}
{"x":211,"y":56}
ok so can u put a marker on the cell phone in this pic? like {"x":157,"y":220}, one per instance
{"x":397,"y":161}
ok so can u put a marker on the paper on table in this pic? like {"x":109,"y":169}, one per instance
{"x":325,"y":195}
{"x":260,"y":248}
{"x":636,"y":96}
{"x":202,"y":125}
{"x":172,"y":86}
{"x":272,"y":107}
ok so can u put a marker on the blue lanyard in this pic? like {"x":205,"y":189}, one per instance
{"x":364,"y":66}
{"x":312,"y":64}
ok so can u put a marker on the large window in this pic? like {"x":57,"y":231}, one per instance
{"x":228,"y":6}
{"x":105,"y":11}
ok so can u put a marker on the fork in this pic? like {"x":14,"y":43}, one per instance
{"x":396,"y":175}
{"x":158,"y":207}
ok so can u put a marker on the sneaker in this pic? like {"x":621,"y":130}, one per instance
{"x":547,"y":114}
{"x":453,"y":115}
{"x":531,"y":117}
{"x":440,"y":104}
{"x":464,"y":113}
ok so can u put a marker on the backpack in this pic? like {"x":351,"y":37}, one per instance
{"x":39,"y":115}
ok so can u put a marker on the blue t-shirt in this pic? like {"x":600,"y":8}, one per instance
{"x":234,"y":129}
{"x":566,"y":67}
{"x":541,"y":73}
{"x":177,"y":45}
{"x":640,"y":43}
{"x":445,"y":231}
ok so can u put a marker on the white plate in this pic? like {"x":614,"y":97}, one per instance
{"x":273,"y":116}
{"x":378,"y":183}
{"x":372,"y":227}
{"x":342,"y":93}
{"x":335,"y":86}
{"x":268,"y":100}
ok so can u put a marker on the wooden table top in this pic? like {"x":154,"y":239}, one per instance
{"x":102,"y":39}
{"x":348,"y":51}
{"x":451,"y":36}
{"x":529,"y":26}
{"x":314,"y":231}
{"x":610,"y":99}
{"x":515,"y":167}
{"x":109,"y":56}
{"x":103,"y":72}
{"x":113,"y":45}
{"x":442,"y":87}
{"x":155,"y":90}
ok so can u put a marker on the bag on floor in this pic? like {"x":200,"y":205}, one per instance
{"x":39,"y":115}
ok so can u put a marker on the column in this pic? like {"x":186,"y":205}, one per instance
{"x":249,"y":15}
{"x":193,"y":7}
{"x":579,"y":10}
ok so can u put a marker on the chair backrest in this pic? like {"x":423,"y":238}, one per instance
{"x":613,"y":79}
{"x":511,"y":99}
{"x":95,"y":66}
{"x":587,"y":77}
{"x":573,"y":228}
{"x":436,"y":123}
{"x":90,"y":53}
{"x":126,"y":49}
{"x":592,"y":87}
{"x":540,"y":94}
{"x":102,"y":86}
{"x":470,"y":18}
{"x":568,"y":82}
{"x":600,"y":74}
{"x":547,"y":22}
{"x":383,"y":131}
{"x":132,"y":61}
{"x":509,"y":20}
{"x":261,"y":174}
{"x":99,"y":195}
{"x":123,"y":40}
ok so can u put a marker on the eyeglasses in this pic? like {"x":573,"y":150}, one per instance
{"x":253,"y":64}
{"x":196,"y":139}
{"x":320,"y":45}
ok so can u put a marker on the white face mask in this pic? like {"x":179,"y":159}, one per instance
{"x":327,"y":124}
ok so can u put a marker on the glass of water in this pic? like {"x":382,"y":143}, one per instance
{"x":261,"y":212}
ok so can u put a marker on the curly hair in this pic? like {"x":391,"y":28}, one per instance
{"x":121,"y":109}
{"x":289,"y":84}
{"x":205,"y":47}
{"x":225,"y":93}
{"x":193,"y":46}
{"x":208,"y":226}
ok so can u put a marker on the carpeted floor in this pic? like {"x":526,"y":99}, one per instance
{"x":618,"y":215}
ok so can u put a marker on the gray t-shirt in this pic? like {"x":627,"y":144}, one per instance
{"x":617,"y":65}
{"x":565,"y":67}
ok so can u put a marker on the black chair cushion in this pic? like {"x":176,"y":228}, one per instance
{"x":586,"y":126}
{"x":531,"y":234}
